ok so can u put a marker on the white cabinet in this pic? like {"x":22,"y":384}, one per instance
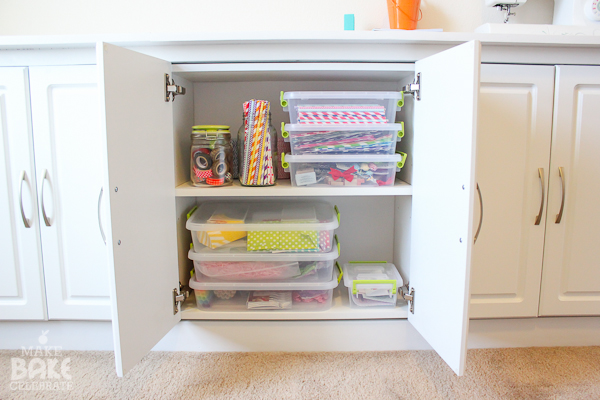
{"x":513,"y":159}
{"x":72,"y":202}
{"x":61,"y":197}
{"x":142,"y":231}
{"x":21,"y":275}
{"x":571,"y":275}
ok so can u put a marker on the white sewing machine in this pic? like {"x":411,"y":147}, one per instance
{"x":571,"y":17}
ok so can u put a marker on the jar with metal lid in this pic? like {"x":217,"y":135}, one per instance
{"x":211,"y":156}
{"x":265,"y":171}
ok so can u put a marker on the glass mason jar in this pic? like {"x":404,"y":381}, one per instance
{"x":263,"y":173}
{"x":211,"y":156}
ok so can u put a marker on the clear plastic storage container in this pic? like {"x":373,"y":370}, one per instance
{"x":342,"y":107}
{"x":375,"y":139}
{"x":219,"y":296}
{"x":343,"y":170}
{"x":233,"y":263}
{"x":266,"y":227}
{"x":372,"y":283}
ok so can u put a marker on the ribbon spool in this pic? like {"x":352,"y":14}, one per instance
{"x":219,"y":168}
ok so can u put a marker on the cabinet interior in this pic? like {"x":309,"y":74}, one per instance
{"x":372,"y":227}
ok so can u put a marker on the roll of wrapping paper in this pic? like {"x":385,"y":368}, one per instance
{"x":257,"y":163}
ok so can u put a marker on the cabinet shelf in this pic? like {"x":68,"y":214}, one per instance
{"x":285,"y":189}
{"x":340,"y":309}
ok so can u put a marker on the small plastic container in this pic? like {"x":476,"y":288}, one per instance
{"x":374,"y":139}
{"x":335,"y":107}
{"x":343,"y":170}
{"x":372,"y":283}
{"x":219,"y":296}
{"x":233,"y":263}
{"x":211,"y":156}
{"x":265,"y":227}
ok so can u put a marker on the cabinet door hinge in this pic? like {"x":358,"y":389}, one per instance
{"x":179,"y":296}
{"x":414,"y":88}
{"x":171,"y":89}
{"x":408,"y":295}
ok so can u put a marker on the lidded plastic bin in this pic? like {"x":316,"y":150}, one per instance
{"x":332,"y":107}
{"x":233,"y":263}
{"x":372,"y":283}
{"x":268,"y":227}
{"x":375,"y":139}
{"x":220,"y":296}
{"x":343,"y":170}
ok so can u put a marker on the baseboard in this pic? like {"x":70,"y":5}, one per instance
{"x":373,"y":335}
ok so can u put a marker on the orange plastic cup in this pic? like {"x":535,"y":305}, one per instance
{"x":404,"y":14}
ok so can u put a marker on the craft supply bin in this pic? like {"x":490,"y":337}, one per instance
{"x":305,"y":296}
{"x":343,"y":170}
{"x":265,"y":227}
{"x":390,"y":101}
{"x":233,"y":263}
{"x":372,"y":283}
{"x":379,"y":139}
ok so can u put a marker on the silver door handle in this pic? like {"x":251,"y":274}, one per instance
{"x":480,"y":216}
{"x":561,"y":172}
{"x":538,"y":219}
{"x":100,"y":215}
{"x":26,"y":221}
{"x":46,"y":220}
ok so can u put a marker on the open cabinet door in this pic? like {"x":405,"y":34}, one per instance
{"x":443,"y":183}
{"x":141,"y":234}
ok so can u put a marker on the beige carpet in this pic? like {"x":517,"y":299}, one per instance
{"x":526,"y":373}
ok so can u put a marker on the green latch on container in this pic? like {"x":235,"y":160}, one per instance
{"x":401,"y":132}
{"x":284,"y":103}
{"x":401,"y":162}
{"x":191,"y":212}
{"x":338,"y":245}
{"x":284,"y":164}
{"x":341,"y":272}
{"x":337,"y":211}
{"x":383,"y":281}
{"x":284,"y":133}
{"x":400,"y":102}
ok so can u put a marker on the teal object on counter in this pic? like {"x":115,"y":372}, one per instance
{"x":348,"y":22}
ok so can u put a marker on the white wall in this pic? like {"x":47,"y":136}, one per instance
{"x":38,"y":17}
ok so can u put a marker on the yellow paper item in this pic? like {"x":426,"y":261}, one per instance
{"x":214,"y":239}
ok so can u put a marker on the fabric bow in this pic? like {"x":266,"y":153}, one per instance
{"x":387,"y":182}
{"x":347,"y":174}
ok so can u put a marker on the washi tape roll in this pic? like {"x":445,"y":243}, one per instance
{"x":215,"y":181}
{"x":202,"y":161}
{"x":218,"y":154}
{"x":219,"y":168}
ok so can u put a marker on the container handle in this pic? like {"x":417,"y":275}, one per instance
{"x":282,"y":101}
{"x":191,"y":212}
{"x":337,"y":211}
{"x":383,"y":281}
{"x":400,"y":164}
{"x":338,"y":245}
{"x":285,"y":134}
{"x":401,"y":101}
{"x":401,"y":131}
{"x":341,"y":274}
{"x":284,"y":164}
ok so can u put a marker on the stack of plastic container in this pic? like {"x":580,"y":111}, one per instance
{"x":264,"y":256}
{"x":343,"y":138}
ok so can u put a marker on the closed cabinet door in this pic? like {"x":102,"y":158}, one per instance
{"x":21,"y":276}
{"x":72,"y":198}
{"x":571,"y":276}
{"x":513,"y":157}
